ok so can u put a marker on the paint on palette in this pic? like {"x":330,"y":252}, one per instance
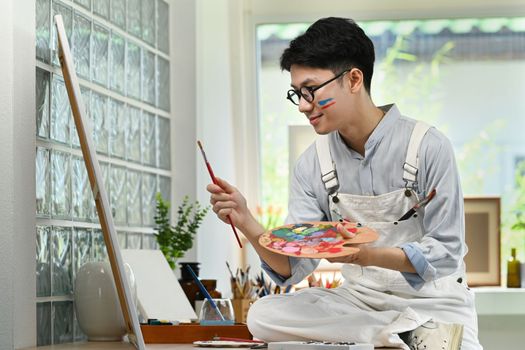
{"x":326,"y":103}
{"x":303,"y":239}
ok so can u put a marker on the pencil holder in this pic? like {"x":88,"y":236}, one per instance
{"x":219,"y":314}
{"x":241,"y":307}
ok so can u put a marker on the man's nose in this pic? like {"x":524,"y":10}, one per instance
{"x":305,"y":106}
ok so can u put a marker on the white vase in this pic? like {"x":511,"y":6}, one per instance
{"x":96,"y":302}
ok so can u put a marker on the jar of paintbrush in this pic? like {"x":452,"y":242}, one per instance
{"x":242,"y":293}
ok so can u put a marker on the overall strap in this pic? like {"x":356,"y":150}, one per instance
{"x":328,"y":172}
{"x":411,"y":166}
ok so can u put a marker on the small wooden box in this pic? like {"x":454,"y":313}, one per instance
{"x":188,"y":333}
{"x":240,"y":308}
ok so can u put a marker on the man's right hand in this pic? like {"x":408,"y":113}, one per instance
{"x":227,"y":200}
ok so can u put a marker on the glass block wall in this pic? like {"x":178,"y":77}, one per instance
{"x":121,"y":54}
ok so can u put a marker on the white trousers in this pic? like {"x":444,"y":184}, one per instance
{"x":366,"y":311}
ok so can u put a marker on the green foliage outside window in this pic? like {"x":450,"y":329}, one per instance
{"x":518,"y":209}
{"x":514,"y":218}
{"x":412,"y":89}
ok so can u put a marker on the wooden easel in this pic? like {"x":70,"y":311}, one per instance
{"x":97,"y":186}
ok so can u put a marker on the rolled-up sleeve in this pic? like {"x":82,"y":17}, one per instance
{"x":300,"y":269}
{"x":441,"y":249}
{"x":303,"y":207}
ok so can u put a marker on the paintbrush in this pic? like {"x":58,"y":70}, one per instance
{"x":263,"y":284}
{"x":205,"y":292}
{"x":421,"y":204}
{"x":230,"y":270}
{"x":212,"y":175}
{"x":258,"y":292}
{"x":246,"y":288}
{"x":235,"y":281}
{"x":238,"y":340}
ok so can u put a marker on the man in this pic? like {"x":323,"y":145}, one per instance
{"x":370,"y":165}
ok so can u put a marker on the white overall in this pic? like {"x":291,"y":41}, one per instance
{"x":374,"y":304}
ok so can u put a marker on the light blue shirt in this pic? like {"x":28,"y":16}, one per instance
{"x":441,"y":250}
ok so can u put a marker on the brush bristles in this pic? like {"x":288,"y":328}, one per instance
{"x":202,"y":150}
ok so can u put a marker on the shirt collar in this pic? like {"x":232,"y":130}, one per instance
{"x":392,"y":114}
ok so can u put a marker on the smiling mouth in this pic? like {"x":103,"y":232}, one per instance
{"x":315,"y":117}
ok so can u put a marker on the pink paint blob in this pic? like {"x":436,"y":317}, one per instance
{"x":289,"y":249}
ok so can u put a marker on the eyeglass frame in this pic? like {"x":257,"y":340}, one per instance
{"x":311,"y":89}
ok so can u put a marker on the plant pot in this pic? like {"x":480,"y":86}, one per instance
{"x":185,"y":275}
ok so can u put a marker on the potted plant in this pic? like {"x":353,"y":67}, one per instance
{"x":175,"y":240}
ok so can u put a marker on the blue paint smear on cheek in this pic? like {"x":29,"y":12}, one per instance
{"x":323,"y":102}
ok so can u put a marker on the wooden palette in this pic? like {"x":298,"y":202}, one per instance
{"x":316,"y":239}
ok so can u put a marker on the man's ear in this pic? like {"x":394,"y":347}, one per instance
{"x":355,"y":79}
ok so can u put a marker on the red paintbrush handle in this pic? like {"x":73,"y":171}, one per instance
{"x":234,"y":230}
{"x":238,"y":340}
{"x":212,"y":175}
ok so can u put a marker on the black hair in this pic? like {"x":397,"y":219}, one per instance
{"x":332,"y":43}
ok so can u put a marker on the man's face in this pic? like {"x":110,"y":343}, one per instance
{"x":329,"y":106}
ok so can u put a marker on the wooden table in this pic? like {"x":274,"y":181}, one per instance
{"x":116,"y":346}
{"x":126,"y":346}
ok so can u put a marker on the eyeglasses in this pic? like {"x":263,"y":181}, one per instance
{"x":307,"y":92}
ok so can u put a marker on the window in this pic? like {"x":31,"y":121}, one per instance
{"x":121,"y":52}
{"x":465,"y":76}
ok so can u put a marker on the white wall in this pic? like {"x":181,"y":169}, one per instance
{"x":215,"y":105}
{"x":17,"y":175}
{"x":183,"y":104}
{"x":6,"y":179}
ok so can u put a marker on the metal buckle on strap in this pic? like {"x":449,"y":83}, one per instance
{"x":410,"y":181}
{"x":330,"y":181}
{"x":412,"y":170}
{"x":413,"y":186}
{"x":329,"y":176}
